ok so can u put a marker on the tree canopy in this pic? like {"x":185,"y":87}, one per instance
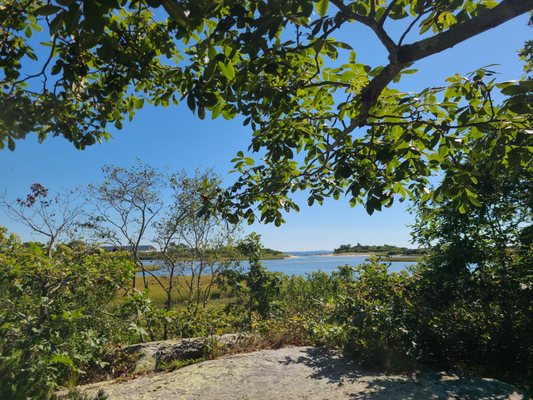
{"x":322,"y":121}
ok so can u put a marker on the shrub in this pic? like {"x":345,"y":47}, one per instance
{"x":156,"y":323}
{"x":254,"y":291}
{"x":364,"y":310}
{"x":479,"y":319}
{"x":374,"y":312}
{"x":303,"y":310}
{"x":56,"y":313}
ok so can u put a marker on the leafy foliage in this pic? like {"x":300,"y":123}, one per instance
{"x":158,"y":323}
{"x":374,"y":313}
{"x":478,"y":275}
{"x":476,"y":322}
{"x":467,"y":305}
{"x":255,"y":288}
{"x":55,"y":313}
{"x":363,"y":310}
{"x":278,"y":65}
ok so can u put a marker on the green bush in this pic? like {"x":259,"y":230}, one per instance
{"x":439,"y":314}
{"x":473,"y":293}
{"x":56,"y":313}
{"x":374,"y":312}
{"x":364,"y":310}
{"x":478,"y":319}
{"x":302,"y":313}
{"x":156,"y":323}
{"x":255,"y":290}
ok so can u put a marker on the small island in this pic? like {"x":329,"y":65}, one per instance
{"x":384,"y":252}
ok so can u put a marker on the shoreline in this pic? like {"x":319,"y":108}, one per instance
{"x":348,"y":254}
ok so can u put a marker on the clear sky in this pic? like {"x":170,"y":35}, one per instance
{"x":174,"y":139}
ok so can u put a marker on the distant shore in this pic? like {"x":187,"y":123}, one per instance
{"x":380,"y":257}
{"x":349,"y":254}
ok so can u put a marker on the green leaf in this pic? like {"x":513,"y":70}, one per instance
{"x":343,"y":45}
{"x":227,"y":70}
{"x":322,"y":7}
{"x":175,"y":10}
{"x":228,"y":112}
{"x":56,"y":23}
{"x":474,"y":201}
{"x":318,"y":44}
{"x":92,"y":11}
{"x":62,"y":359}
{"x":201,"y":112}
{"x":215,"y":112}
{"x":10,"y":144}
{"x":191,"y":102}
{"x":32,"y":55}
{"x":489,"y":3}
{"x":446,"y":18}
{"x":47,"y":10}
{"x":139,"y":103}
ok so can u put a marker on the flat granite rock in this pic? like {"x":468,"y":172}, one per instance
{"x":298,"y":373}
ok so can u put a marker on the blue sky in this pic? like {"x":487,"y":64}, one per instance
{"x":174,"y":139}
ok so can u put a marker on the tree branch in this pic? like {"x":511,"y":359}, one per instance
{"x":371,"y":23}
{"x":458,"y":33}
{"x":387,"y":12}
{"x":408,"y":54}
{"x":371,"y":92}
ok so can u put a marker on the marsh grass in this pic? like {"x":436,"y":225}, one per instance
{"x":149,"y":268}
{"x":218,"y":298}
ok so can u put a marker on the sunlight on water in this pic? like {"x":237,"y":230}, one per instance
{"x":307,"y":264}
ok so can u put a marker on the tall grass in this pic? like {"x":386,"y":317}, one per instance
{"x":158,"y":296}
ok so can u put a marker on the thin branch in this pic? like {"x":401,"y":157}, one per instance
{"x":42,"y":72}
{"x":371,"y":23}
{"x":326,"y":83}
{"x":387,"y":12}
{"x":413,"y":22}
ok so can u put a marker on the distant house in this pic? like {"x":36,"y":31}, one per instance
{"x":141,"y":248}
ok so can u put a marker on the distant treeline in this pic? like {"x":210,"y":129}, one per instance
{"x":266,"y":254}
{"x":386,"y":249}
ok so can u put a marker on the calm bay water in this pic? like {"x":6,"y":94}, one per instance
{"x":305,"y":264}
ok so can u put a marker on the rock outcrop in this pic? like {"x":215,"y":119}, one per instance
{"x":298,"y":373}
{"x":150,"y":356}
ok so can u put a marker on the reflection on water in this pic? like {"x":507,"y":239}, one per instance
{"x":306,"y":264}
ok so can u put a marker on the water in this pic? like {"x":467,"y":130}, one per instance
{"x":303,"y":265}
